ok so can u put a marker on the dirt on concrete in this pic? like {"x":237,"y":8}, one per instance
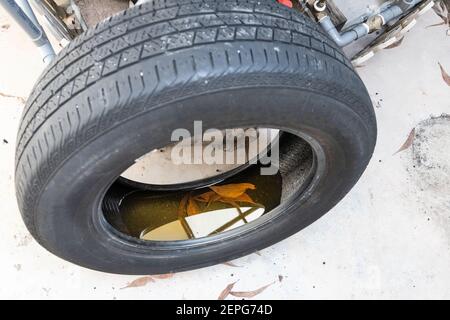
{"x":431,"y":154}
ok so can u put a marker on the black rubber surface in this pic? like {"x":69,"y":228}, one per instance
{"x":119,"y":90}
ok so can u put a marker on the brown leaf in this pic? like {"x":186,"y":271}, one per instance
{"x":244,"y":198}
{"x":409,"y":141}
{"x":250,"y":294}
{"x":228,"y":194}
{"x":396,"y":44}
{"x":182,"y":206}
{"x":163,"y":276}
{"x":205,"y":197}
{"x":225,"y":292}
{"x":139,"y":282}
{"x":445,"y":75}
{"x":231,"y":264}
{"x":208,"y":197}
{"x":192,"y":207}
{"x":232,"y":190}
{"x":436,"y":24}
{"x":231,"y":203}
{"x":442,"y":9}
{"x":21,"y":99}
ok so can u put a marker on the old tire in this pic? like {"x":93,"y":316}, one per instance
{"x":118,"y":91}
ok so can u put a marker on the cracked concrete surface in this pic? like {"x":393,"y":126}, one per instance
{"x":389,"y":238}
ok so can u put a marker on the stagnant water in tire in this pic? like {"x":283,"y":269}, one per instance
{"x":168,"y":216}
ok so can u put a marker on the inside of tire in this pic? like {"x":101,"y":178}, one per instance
{"x":133,"y":211}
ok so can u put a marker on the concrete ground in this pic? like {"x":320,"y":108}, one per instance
{"x":389,"y":238}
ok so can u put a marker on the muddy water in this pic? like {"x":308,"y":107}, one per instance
{"x":137,"y":210}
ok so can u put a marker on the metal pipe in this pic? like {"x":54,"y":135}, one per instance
{"x":390,"y":13}
{"x":343,"y":39}
{"x":47,"y":51}
{"x":360,"y":30}
{"x":24,"y":16}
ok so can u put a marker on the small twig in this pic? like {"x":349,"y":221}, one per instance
{"x":5,"y":95}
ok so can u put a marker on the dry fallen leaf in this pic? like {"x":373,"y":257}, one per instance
{"x":21,"y":99}
{"x":409,"y":141}
{"x":192,"y":207}
{"x":396,"y":44}
{"x":244,"y":198}
{"x":442,"y":9}
{"x":142,"y":281}
{"x":182,"y":206}
{"x":445,"y":75}
{"x":231,"y":264}
{"x":163,"y":276}
{"x":250,"y":294}
{"x":436,"y":25}
{"x":226,"y":291}
{"x":228,"y":194}
{"x":208,"y":197}
{"x":139,"y":282}
{"x":232,"y":190}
